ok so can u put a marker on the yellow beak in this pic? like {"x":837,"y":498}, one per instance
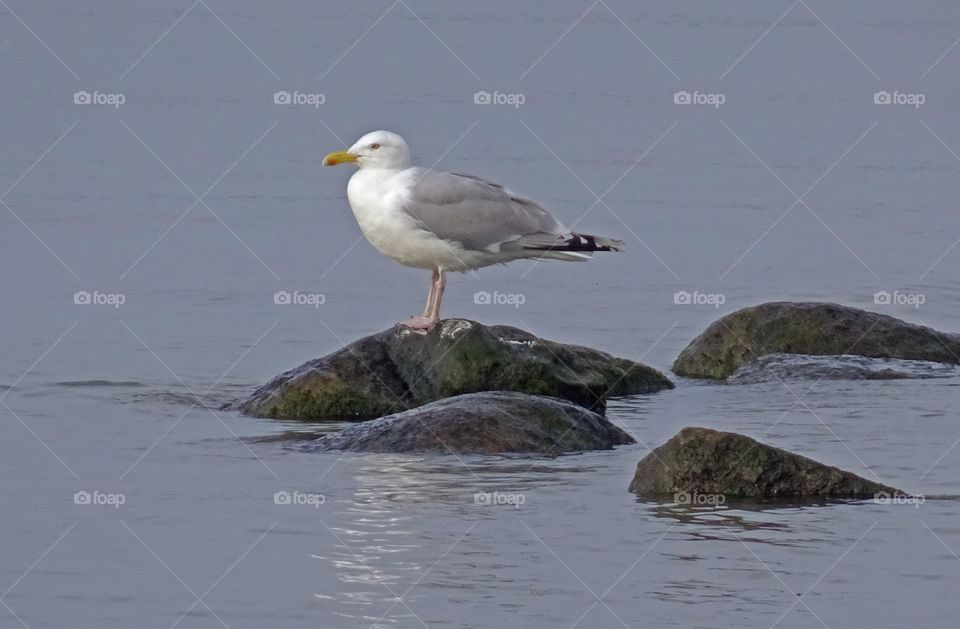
{"x":340,"y":157}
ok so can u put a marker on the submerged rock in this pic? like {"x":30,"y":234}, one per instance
{"x":817,"y":329}
{"x":399,"y":369}
{"x":496,"y":422}
{"x":779,"y":367}
{"x":701,"y":461}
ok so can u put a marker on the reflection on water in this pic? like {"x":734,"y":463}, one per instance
{"x":724,"y":517}
{"x":411,"y":533}
{"x":387,"y":539}
{"x":408,"y":538}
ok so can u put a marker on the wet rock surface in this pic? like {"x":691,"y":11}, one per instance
{"x":482,"y":423}
{"x":780,"y":367}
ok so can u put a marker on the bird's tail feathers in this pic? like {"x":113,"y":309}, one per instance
{"x":572,"y":242}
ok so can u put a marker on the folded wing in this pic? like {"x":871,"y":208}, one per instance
{"x":478,"y":214}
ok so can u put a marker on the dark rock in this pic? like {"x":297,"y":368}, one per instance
{"x":780,"y":367}
{"x":496,"y":422}
{"x":399,"y":369}
{"x":818,"y":329}
{"x":709,"y":462}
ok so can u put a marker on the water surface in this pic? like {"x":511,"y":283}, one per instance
{"x":199,"y":198}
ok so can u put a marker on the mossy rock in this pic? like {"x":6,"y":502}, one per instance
{"x":817,"y":329}
{"x":713,"y":463}
{"x":400,"y":369}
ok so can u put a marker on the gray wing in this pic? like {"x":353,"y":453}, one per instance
{"x":479,"y":214}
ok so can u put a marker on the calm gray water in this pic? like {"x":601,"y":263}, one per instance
{"x":198,"y":198}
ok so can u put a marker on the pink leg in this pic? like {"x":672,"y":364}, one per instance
{"x":431,"y":313}
{"x":439,"y":285}
{"x":431,"y":295}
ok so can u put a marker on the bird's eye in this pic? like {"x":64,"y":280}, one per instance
{"x":374,"y":146}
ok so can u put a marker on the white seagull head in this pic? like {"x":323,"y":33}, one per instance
{"x":377,"y":149}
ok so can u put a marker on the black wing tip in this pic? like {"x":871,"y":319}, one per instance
{"x":583,"y":243}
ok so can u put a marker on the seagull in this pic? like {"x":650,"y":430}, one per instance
{"x":441,"y":221}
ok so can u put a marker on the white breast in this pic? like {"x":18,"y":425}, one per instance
{"x":376,"y":198}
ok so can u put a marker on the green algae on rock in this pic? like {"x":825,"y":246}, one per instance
{"x":399,"y":369}
{"x":818,"y":329}
{"x":701,"y":461}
